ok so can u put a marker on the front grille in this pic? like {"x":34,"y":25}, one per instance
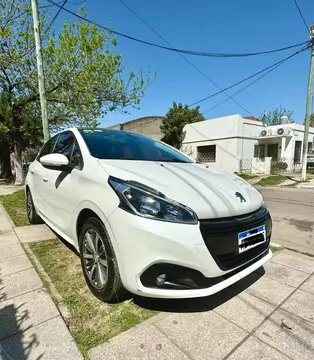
{"x":221,"y":238}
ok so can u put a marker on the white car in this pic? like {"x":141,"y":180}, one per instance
{"x":145,"y":217}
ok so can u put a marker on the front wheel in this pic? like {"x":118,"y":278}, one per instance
{"x":32,"y":215}
{"x":99,"y":262}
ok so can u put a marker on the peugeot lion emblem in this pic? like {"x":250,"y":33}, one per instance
{"x":240,"y":196}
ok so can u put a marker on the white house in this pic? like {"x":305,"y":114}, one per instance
{"x":236,"y":144}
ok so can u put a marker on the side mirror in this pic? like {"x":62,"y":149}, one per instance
{"x":55,"y":161}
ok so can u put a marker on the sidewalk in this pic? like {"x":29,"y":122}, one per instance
{"x":265,"y":316}
{"x":31,"y":326}
{"x":6,"y":189}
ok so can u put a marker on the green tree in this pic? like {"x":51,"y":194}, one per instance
{"x":173,"y":123}
{"x":312,"y":120}
{"x":273,"y":117}
{"x":85,"y":76}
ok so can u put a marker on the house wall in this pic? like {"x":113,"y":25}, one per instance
{"x":148,"y":126}
{"x":225,"y":150}
{"x":287,"y":143}
{"x":232,"y":136}
{"x":235,"y":138}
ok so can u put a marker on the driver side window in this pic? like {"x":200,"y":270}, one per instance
{"x":47,"y":148}
{"x":67,"y":145}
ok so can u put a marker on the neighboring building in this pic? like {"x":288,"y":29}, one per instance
{"x":236,"y":144}
{"x":149,"y":126}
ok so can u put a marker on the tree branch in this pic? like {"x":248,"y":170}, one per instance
{"x":35,"y":97}
{"x":10,"y":88}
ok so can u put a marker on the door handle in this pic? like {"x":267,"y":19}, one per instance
{"x":45,"y":179}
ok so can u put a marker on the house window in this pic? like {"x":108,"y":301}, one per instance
{"x":259,"y":151}
{"x":206,"y":153}
{"x":297,"y":151}
{"x":310,"y":147}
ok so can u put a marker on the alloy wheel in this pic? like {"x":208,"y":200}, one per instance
{"x":95,"y":258}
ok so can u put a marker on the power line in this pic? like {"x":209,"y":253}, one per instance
{"x":184,"y":58}
{"x":269,"y":68}
{"x":300,"y":12}
{"x":243,"y":89}
{"x":189,"y":52}
{"x":57,"y":14}
{"x":251,"y":76}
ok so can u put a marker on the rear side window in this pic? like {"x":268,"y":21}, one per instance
{"x":65,"y":144}
{"x":47,"y":148}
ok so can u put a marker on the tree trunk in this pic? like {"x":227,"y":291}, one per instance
{"x":5,"y":163}
{"x":18,"y":165}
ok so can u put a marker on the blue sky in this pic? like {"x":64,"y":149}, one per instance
{"x":211,"y":26}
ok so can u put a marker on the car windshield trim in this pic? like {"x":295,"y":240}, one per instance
{"x":107,"y":144}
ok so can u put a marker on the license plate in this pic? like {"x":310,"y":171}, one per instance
{"x":251,"y":238}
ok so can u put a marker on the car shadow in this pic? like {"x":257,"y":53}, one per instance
{"x":199,"y":304}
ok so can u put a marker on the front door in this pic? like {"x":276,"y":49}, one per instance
{"x":272,"y":151}
{"x":36,"y":176}
{"x":61,"y":187}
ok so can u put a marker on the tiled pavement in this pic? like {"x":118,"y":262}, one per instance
{"x":30,"y":324}
{"x":268,"y":315}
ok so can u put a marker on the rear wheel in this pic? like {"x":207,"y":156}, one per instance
{"x":99,"y":262}
{"x":32,"y":215}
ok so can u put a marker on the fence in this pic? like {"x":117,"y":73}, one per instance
{"x":285,"y":165}
{"x":246,"y":165}
{"x":282,"y":165}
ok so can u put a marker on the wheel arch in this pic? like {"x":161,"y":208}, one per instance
{"x":89,"y":209}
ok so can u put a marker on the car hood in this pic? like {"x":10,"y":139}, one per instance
{"x":209,"y":192}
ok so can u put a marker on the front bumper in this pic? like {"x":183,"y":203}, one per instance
{"x":141,"y":244}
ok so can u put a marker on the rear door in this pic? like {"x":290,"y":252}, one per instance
{"x":61,"y":189}
{"x":36,"y":176}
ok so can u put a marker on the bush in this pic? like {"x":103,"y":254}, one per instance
{"x":280,"y":165}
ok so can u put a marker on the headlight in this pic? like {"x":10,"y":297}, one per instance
{"x":147,"y":202}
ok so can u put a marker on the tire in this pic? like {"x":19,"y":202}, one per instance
{"x":99,"y":263}
{"x":32,"y":215}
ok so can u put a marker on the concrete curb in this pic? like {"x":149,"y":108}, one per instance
{"x":299,"y":251}
{"x":277,"y":246}
{"x":64,"y":311}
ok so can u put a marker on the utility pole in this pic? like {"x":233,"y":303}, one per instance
{"x":308,"y":108}
{"x":40,"y":70}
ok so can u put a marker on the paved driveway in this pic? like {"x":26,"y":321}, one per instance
{"x":268,"y":315}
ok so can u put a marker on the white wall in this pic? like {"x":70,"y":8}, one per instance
{"x":224,"y":127}
{"x":232,"y":136}
{"x":235,"y":138}
{"x":226,"y":149}
{"x":297,"y":133}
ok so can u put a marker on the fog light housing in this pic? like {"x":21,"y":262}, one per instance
{"x":160,"y":279}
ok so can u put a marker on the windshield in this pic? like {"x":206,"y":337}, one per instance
{"x":116,"y":144}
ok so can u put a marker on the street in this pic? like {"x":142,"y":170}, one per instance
{"x":292,"y":211}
